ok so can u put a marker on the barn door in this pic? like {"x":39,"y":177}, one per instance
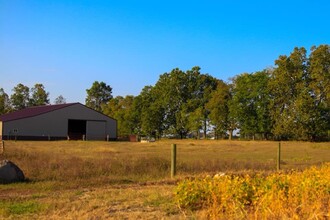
{"x":76,"y":129}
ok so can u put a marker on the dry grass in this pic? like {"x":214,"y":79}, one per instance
{"x":118,"y":180}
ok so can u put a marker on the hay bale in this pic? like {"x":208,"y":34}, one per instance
{"x":10,"y":172}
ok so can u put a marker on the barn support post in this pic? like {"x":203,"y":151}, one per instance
{"x":173,"y":161}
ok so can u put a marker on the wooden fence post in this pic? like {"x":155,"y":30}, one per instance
{"x":173,"y":161}
{"x":279,"y":157}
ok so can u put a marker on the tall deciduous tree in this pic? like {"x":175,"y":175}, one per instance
{"x":20,"y":97}
{"x":120,"y":108}
{"x":177,"y":103}
{"x":250,"y":102}
{"x":99,"y":94}
{"x":152,"y":112}
{"x":219,"y":109}
{"x":288,"y":84}
{"x":204,"y":86}
{"x":170,"y":94}
{"x":319,"y":68}
{"x":60,"y":100}
{"x":39,"y":96}
{"x":319,"y":61}
{"x":4,"y":102}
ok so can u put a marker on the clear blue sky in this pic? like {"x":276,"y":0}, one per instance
{"x":67,"y":45}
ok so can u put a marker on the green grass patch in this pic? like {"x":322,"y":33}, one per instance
{"x":9,"y":208}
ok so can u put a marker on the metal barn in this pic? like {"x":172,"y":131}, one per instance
{"x":72,"y":121}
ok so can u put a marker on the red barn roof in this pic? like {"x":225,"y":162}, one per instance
{"x":32,"y":111}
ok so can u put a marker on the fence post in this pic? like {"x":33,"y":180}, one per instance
{"x":173,"y":161}
{"x":279,"y":157}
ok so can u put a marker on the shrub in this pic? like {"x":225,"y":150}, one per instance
{"x":293,"y":195}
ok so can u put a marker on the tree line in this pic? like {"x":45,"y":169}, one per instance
{"x":24,"y":97}
{"x":290,"y":101}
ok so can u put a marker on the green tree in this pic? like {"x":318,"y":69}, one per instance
{"x":120,"y":108}
{"x":170,"y":94}
{"x":319,"y":68}
{"x":233,"y":121}
{"x":219,"y":109}
{"x":38,"y":95}
{"x":288,"y":88}
{"x":135,"y":115}
{"x":195,"y":121}
{"x":152,"y":112}
{"x":4,"y":102}
{"x":319,"y":61}
{"x":60,"y":100}
{"x":20,"y":97}
{"x":176,"y":104}
{"x":98,"y":95}
{"x":132,"y":115}
{"x":204,"y":87}
{"x":250,"y":104}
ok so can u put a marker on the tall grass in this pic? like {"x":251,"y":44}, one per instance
{"x":119,"y":162}
{"x":114,"y":167}
{"x":122,"y":180}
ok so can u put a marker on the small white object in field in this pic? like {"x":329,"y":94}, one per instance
{"x":218,"y":175}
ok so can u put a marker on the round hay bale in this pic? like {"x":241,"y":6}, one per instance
{"x":10,"y":172}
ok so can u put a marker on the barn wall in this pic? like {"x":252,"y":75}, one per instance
{"x":96,"y":130}
{"x":43,"y":125}
{"x":55,"y":124}
{"x":82,"y":112}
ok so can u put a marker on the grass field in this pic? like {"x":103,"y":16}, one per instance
{"x":123,"y":180}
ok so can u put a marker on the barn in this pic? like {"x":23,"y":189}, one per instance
{"x":72,"y":121}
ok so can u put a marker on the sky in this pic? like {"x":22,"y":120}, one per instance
{"x":68,"y":44}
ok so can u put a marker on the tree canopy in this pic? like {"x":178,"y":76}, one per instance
{"x":38,"y":95}
{"x":290,"y":101}
{"x":287,"y":102}
{"x":99,"y":94}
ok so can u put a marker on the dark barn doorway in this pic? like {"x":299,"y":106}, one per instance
{"x":76,"y":129}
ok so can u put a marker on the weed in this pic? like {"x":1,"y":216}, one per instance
{"x":294,"y":195}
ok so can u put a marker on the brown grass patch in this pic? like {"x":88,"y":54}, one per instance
{"x":76,"y":179}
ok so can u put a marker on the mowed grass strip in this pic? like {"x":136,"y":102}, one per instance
{"x":131,"y":180}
